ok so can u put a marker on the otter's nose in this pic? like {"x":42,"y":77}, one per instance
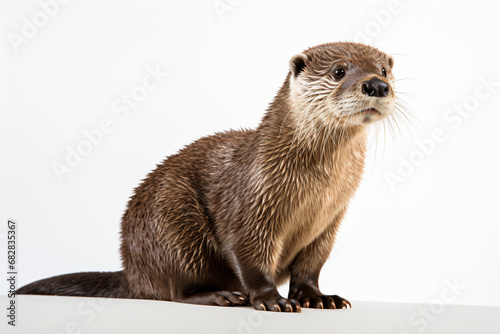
{"x":375,"y":87}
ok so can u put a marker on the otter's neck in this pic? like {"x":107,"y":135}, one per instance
{"x":283,"y":138}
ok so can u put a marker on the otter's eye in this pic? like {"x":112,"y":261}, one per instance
{"x":384,"y":73}
{"x":339,"y":73}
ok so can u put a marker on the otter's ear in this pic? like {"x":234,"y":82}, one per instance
{"x":297,"y":63}
{"x":390,"y":61}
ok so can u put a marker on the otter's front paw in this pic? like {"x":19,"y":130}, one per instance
{"x":277,"y":305}
{"x":274,"y":302}
{"x":323,"y":301}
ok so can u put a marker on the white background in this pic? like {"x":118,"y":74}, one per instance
{"x":439,"y":223}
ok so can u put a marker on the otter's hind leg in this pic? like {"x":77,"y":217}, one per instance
{"x":170,"y":251}
{"x":197,"y":272}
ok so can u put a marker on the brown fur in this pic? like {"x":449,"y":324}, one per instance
{"x":233,"y":215}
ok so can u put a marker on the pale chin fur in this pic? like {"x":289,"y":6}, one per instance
{"x":384,"y":106}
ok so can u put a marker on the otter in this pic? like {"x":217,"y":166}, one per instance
{"x":232,"y":216}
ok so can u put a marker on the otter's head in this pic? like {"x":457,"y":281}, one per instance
{"x":342,"y":84}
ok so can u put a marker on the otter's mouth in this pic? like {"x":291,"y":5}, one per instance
{"x":370,"y":115}
{"x":370,"y":112}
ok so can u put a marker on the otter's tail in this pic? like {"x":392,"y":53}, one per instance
{"x":92,"y":284}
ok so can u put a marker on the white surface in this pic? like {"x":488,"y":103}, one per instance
{"x":442,"y":223}
{"x":40,"y":314}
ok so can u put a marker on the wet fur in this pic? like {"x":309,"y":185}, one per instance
{"x":233,"y":215}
